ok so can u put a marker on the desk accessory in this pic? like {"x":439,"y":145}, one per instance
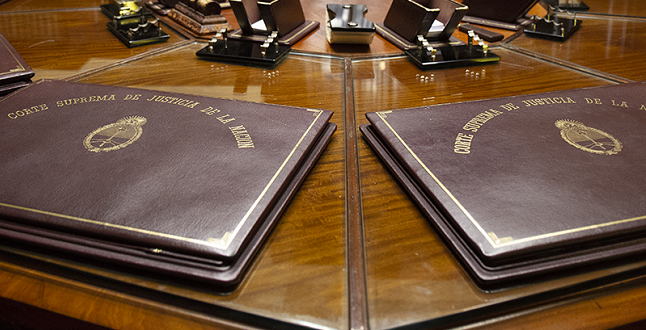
{"x":347,"y":24}
{"x":436,"y":20}
{"x":569,"y":5}
{"x":163,"y":7}
{"x":200,"y":17}
{"x":476,"y":52}
{"x":267,"y":54}
{"x":125,"y":13}
{"x":133,"y":25}
{"x":526,"y":188}
{"x":15,"y":73}
{"x":258,"y":19}
{"x":553,"y":27}
{"x":155,"y":183}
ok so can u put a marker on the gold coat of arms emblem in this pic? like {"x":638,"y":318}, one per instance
{"x":587,"y":138}
{"x":116,"y":135}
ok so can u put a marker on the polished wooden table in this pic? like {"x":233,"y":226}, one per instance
{"x":352,"y":251}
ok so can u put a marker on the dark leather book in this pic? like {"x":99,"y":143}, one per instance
{"x":14,"y":71}
{"x":168,"y":183}
{"x":528,"y":186}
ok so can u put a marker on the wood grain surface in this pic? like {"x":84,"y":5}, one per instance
{"x":608,"y":46}
{"x":411,"y":274}
{"x":61,"y":43}
{"x":352,"y":250}
{"x":616,"y":8}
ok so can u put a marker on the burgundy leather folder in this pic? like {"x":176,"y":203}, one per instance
{"x":526,"y":186}
{"x":174,"y":184}
{"x":14,"y":71}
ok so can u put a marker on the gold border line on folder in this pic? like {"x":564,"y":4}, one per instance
{"x":476,"y":224}
{"x":300,"y":32}
{"x":280,"y":169}
{"x":397,"y":39}
{"x":569,"y":231}
{"x":106,"y":224}
{"x":20,"y":67}
{"x":383,"y":118}
{"x":227,"y":238}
